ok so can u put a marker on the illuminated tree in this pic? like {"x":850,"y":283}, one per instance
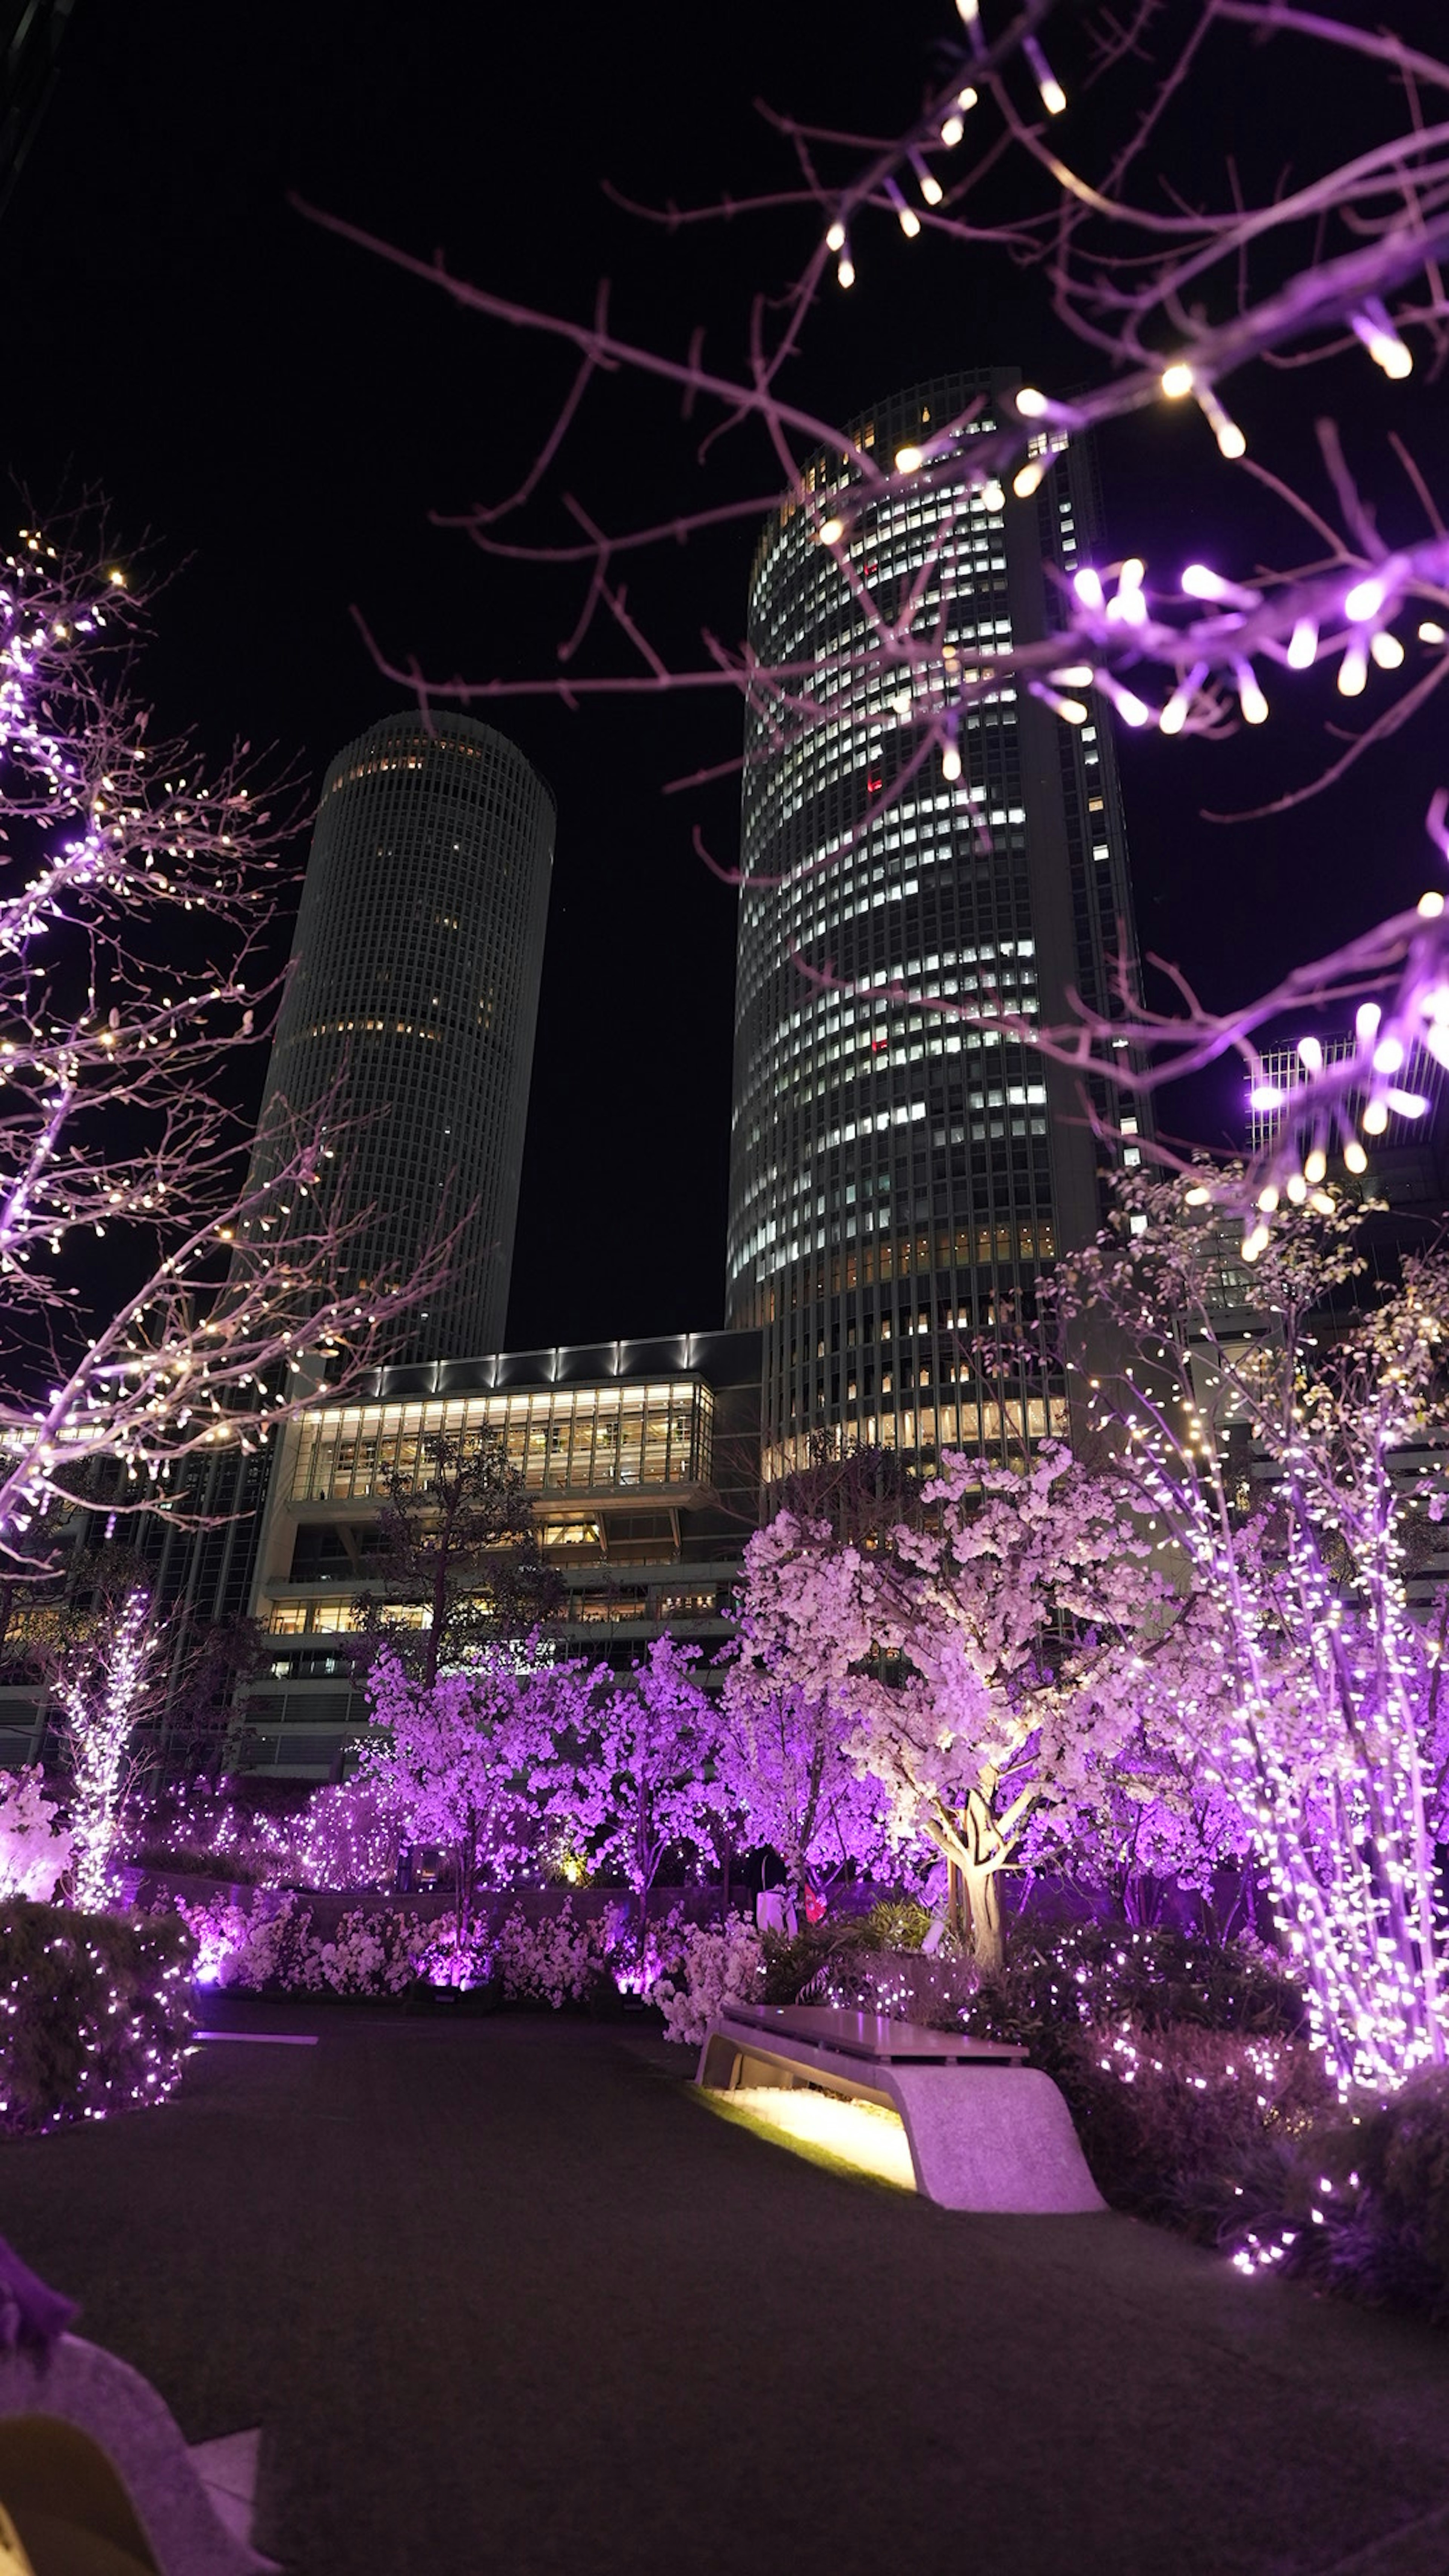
{"x":1285,"y":1450}
{"x":459,"y":1540}
{"x":1054,"y":141}
{"x":157,"y":1300}
{"x":458,"y":1757}
{"x":780,"y":1761}
{"x":633,"y":1779}
{"x":990,"y":1665}
{"x":102,"y":1694}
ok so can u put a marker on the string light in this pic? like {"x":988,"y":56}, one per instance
{"x":1177,"y":380}
{"x":1303,"y":645}
{"x":1230,"y":439}
{"x":1372,"y":326}
{"x":1053,"y":96}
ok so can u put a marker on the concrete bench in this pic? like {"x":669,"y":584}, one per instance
{"x":985,"y":2130}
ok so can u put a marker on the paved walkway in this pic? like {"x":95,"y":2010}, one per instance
{"x":504,"y":2297}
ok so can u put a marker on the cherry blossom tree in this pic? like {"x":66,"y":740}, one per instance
{"x":780,"y":1761}
{"x":159,"y":1298}
{"x":1287,"y":1435}
{"x":458,"y":1759}
{"x":35,"y":1847}
{"x":990,"y":1664}
{"x":635,"y":1780}
{"x":1093,"y":154}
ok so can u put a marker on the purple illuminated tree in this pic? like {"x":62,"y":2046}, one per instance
{"x":102,"y":1692}
{"x":990,"y":1664}
{"x":1092,"y":152}
{"x":158,"y":1301}
{"x":633,"y":1783}
{"x":1287,"y":1450}
{"x":458,"y":1758}
{"x":780,"y":1761}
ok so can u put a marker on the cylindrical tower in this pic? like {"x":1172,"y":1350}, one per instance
{"x":414,"y":985}
{"x":894,"y":1171}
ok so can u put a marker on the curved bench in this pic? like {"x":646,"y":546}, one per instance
{"x":985,"y":2130}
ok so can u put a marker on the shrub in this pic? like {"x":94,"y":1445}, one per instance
{"x":96,"y":2014}
{"x":556,"y":1960}
{"x":710,"y":1964}
{"x":1061,"y":1978}
{"x":1362,"y":2209}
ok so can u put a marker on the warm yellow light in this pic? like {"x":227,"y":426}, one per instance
{"x":862,"y":2134}
{"x":1177,"y":380}
{"x":835,"y":238}
{"x":909,"y":460}
{"x":1315,"y":1167}
{"x":1355,"y":1157}
{"x":1431,"y":905}
{"x":1375,"y":1118}
{"x":1026,"y":478}
{"x":1429,"y":633}
{"x":832,"y":532}
{"x":119,"y":579}
{"x":1029,"y":402}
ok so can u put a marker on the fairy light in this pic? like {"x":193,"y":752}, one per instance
{"x":1128,"y":602}
{"x":1199,"y":581}
{"x":1250,"y":696}
{"x":1230,"y":439}
{"x":1030,"y":403}
{"x":1429,"y":633}
{"x":993,"y":496}
{"x":1177,"y":380}
{"x":1028,"y":476}
{"x":832,"y":532}
{"x":1087,"y":583}
{"x":1303,"y":645}
{"x":1353,"y":672}
{"x":845,"y":270}
{"x":1053,"y":96}
{"x":1372,"y":326}
{"x":1355,"y":1158}
{"x":909,"y":460}
{"x":1387,"y":651}
{"x":835,"y":238}
{"x":1363,"y":600}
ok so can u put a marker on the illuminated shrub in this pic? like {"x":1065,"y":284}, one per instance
{"x":94,"y":2013}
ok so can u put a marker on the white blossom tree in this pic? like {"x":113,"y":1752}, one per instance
{"x":158,"y":1301}
{"x":991,"y":1663}
{"x":457,"y":1759}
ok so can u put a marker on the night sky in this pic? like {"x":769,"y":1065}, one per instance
{"x":275,"y":417}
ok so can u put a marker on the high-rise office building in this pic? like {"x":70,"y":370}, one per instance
{"x":895,"y":1171}
{"x":414,"y":988}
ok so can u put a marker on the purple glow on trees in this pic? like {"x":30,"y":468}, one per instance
{"x":781,"y":1765}
{"x":1282,"y":1462}
{"x":101,"y":1690}
{"x":459,"y":1756}
{"x":990,"y":1663}
{"x":633,"y":1781}
{"x":134,"y":890}
{"x":1175,"y":291}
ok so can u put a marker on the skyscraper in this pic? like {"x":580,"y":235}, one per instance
{"x":894,"y":1172}
{"x":414,"y":986}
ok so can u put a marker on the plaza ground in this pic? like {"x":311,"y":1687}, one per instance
{"x":502,"y":2295}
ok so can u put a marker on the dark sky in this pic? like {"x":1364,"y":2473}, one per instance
{"x":279,"y":414}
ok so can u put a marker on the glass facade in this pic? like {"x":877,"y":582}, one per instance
{"x":894,"y":1171}
{"x":414,"y":991}
{"x":563,"y":1440}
